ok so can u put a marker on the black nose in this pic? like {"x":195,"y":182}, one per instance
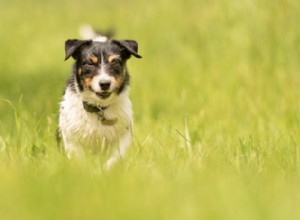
{"x":104,"y":85}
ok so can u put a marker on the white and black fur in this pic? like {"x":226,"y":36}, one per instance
{"x":95,"y":110}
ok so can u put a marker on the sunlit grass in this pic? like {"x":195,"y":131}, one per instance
{"x":216,"y":111}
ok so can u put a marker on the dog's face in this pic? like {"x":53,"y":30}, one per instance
{"x":101,"y":66}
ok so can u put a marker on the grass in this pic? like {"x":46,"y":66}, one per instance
{"x":216,"y":102}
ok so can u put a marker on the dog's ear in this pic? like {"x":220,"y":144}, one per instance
{"x":72,"y":47}
{"x":130,"y":47}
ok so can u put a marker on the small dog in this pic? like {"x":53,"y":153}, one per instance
{"x":96,"y":110}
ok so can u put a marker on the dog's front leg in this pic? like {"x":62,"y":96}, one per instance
{"x":71,"y":149}
{"x":120,"y":150}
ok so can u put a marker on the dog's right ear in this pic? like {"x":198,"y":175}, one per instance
{"x":73,"y":46}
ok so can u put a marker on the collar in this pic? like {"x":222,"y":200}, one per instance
{"x":93,"y":108}
{"x":99,"y":110}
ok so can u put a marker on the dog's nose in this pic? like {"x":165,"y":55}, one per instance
{"x":104,"y":85}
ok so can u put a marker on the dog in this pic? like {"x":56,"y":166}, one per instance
{"x":95,"y":111}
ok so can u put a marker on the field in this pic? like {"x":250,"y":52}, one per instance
{"x":216,"y":111}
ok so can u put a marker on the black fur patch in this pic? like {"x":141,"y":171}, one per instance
{"x":71,"y":82}
{"x":125,"y":83}
{"x":77,"y":78}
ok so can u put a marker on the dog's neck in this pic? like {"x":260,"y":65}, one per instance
{"x":93,"y":108}
{"x":99,"y":110}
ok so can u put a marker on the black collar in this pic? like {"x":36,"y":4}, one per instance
{"x":99,"y":110}
{"x":93,"y":108}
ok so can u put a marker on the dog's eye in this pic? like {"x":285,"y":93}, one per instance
{"x":116,"y":62}
{"x":88,"y":62}
{"x":88,"y":69}
{"x":116,"y":66}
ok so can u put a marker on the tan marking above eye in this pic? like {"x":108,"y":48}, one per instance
{"x":94,"y":59}
{"x":112,"y":57}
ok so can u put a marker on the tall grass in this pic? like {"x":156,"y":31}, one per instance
{"x":216,"y":111}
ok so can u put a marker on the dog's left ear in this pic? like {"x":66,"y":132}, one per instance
{"x":130,"y":47}
{"x":72,"y":47}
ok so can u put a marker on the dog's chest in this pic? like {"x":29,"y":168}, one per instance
{"x":85,"y":128}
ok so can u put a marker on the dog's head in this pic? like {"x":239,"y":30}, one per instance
{"x":100,"y":68}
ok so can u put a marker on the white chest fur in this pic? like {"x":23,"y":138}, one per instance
{"x":84,"y":129}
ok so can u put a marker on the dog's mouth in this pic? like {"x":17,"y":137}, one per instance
{"x":103,"y":95}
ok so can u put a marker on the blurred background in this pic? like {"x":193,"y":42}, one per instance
{"x":220,"y":77}
{"x":198,"y":55}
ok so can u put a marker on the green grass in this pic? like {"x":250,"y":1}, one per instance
{"x":216,"y":100}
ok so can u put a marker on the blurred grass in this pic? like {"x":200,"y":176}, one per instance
{"x":231,"y":68}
